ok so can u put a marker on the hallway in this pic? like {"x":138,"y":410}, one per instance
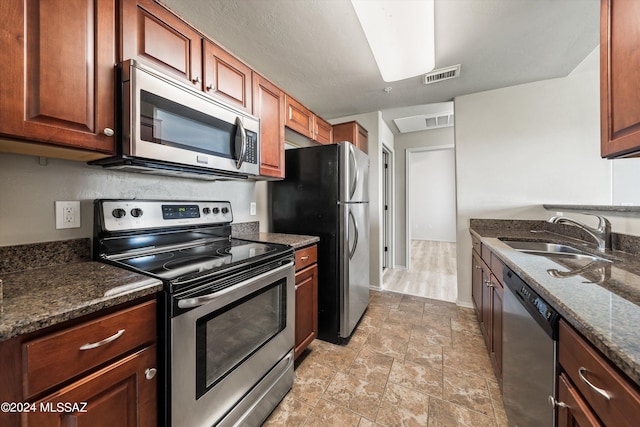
{"x":411,"y":362}
{"x":432,"y":275}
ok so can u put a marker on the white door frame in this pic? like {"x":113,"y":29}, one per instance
{"x":407,"y":198}
{"x":388,"y":227}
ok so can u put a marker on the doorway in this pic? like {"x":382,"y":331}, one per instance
{"x":430,"y":224}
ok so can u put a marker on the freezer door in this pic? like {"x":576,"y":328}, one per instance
{"x":354,"y":174}
{"x":354,"y":291}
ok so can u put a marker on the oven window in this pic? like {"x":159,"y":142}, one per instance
{"x":168,"y":123}
{"x":229,"y":336}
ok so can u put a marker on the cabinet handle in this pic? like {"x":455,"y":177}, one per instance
{"x":488,"y":283}
{"x":297,"y":286}
{"x":556,"y":403}
{"x":477,"y":267}
{"x":112,"y":338}
{"x":598,"y":390}
{"x":210,"y":87}
{"x":108,"y":132}
{"x":150,"y":373}
{"x":196,"y":80}
{"x":304,"y":258}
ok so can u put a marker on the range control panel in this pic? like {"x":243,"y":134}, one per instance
{"x":125,"y":215}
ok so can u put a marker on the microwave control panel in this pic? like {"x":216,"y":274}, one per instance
{"x":251,"y":152}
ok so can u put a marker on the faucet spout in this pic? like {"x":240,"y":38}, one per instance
{"x":601,"y":233}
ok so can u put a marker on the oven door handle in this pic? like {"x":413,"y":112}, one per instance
{"x":204,"y":299}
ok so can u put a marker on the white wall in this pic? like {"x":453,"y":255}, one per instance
{"x":432,"y":195}
{"x":379,"y":134}
{"x":411,"y":141}
{"x":522,"y":146}
{"x":28,"y":191}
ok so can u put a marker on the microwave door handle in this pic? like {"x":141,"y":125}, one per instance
{"x":241,"y":142}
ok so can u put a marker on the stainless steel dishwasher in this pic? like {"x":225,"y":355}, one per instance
{"x":530,"y":333}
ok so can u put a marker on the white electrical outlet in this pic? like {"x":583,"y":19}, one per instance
{"x":252,"y":208}
{"x":67,"y":214}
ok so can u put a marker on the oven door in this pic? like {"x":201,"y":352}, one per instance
{"x":165,"y":121}
{"x":224,"y":343}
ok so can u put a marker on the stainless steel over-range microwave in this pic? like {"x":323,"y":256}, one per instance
{"x":168,"y":128}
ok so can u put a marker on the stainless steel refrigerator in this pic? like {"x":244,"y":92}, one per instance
{"x":326,"y":193}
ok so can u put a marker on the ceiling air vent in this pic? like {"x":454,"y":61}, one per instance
{"x":424,"y":122}
{"x":442,"y":74}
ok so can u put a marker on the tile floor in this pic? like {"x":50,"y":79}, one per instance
{"x":412,"y":361}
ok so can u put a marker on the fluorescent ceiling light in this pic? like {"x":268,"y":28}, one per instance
{"x":400,"y":34}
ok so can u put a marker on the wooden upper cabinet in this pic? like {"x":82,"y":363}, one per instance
{"x":323,"y":130}
{"x":620,"y":78}
{"x":153,"y":34}
{"x":226,"y":77}
{"x":352,"y":132}
{"x":58,"y":73}
{"x":298,"y":117}
{"x":268,"y":105}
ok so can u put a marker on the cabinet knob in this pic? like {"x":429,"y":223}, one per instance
{"x":196,"y":80}
{"x":477,"y":267}
{"x":150,"y":373}
{"x":555,"y":403}
{"x":210,"y":87}
{"x":108,"y":132}
{"x":488,"y":284}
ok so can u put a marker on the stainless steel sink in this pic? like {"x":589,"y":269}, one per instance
{"x":551,"y":249}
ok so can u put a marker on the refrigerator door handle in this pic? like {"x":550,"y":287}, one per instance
{"x":352,"y":250}
{"x":353,"y":166}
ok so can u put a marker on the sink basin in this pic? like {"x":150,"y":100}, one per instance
{"x":551,"y":249}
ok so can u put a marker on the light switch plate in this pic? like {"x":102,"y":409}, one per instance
{"x":252,"y":208}
{"x":67,"y":214}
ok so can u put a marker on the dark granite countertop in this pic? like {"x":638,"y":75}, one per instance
{"x":599,"y":299}
{"x":40,"y":297}
{"x":295,"y":240}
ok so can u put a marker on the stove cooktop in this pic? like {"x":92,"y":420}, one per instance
{"x":190,"y":263}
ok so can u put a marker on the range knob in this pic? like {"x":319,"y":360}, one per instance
{"x":225,"y":210}
{"x":216,"y":211}
{"x":118,"y":213}
{"x":136,"y":212}
{"x":206,"y":211}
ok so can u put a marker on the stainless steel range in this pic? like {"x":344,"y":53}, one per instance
{"x":228,"y":312}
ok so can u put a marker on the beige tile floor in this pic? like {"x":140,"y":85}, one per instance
{"x":412,"y":361}
{"x":432,"y":273}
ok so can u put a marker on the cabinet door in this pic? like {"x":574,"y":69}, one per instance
{"x":362,"y":138}
{"x":153,"y":34}
{"x":306,"y":308}
{"x":117,"y":395}
{"x":268,"y":105}
{"x":573,"y":410}
{"x":298,"y":117}
{"x":226,"y":77}
{"x":323,"y":131}
{"x":485,"y":325}
{"x":497,"y":293}
{"x":58,"y":72}
{"x":619,"y":77}
{"x":476,"y":284}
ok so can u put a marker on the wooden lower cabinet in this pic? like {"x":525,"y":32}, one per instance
{"x":596,"y":385}
{"x":98,"y":371}
{"x":573,"y":411}
{"x":118,"y":395}
{"x":487,"y":293}
{"x":306,"y":328}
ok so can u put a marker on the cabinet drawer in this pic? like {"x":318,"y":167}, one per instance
{"x":497,"y":268}
{"x":485,"y":253}
{"x":584,"y":364}
{"x":306,"y":256}
{"x":57,"y":357}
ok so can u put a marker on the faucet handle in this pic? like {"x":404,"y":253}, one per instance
{"x":603,"y":223}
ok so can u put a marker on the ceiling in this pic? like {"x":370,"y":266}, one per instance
{"x":316,"y":51}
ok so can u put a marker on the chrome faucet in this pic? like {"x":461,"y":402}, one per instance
{"x":602,"y":233}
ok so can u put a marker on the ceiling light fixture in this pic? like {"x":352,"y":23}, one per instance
{"x":400,"y":34}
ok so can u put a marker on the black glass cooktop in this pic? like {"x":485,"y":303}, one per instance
{"x":203,"y":260}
